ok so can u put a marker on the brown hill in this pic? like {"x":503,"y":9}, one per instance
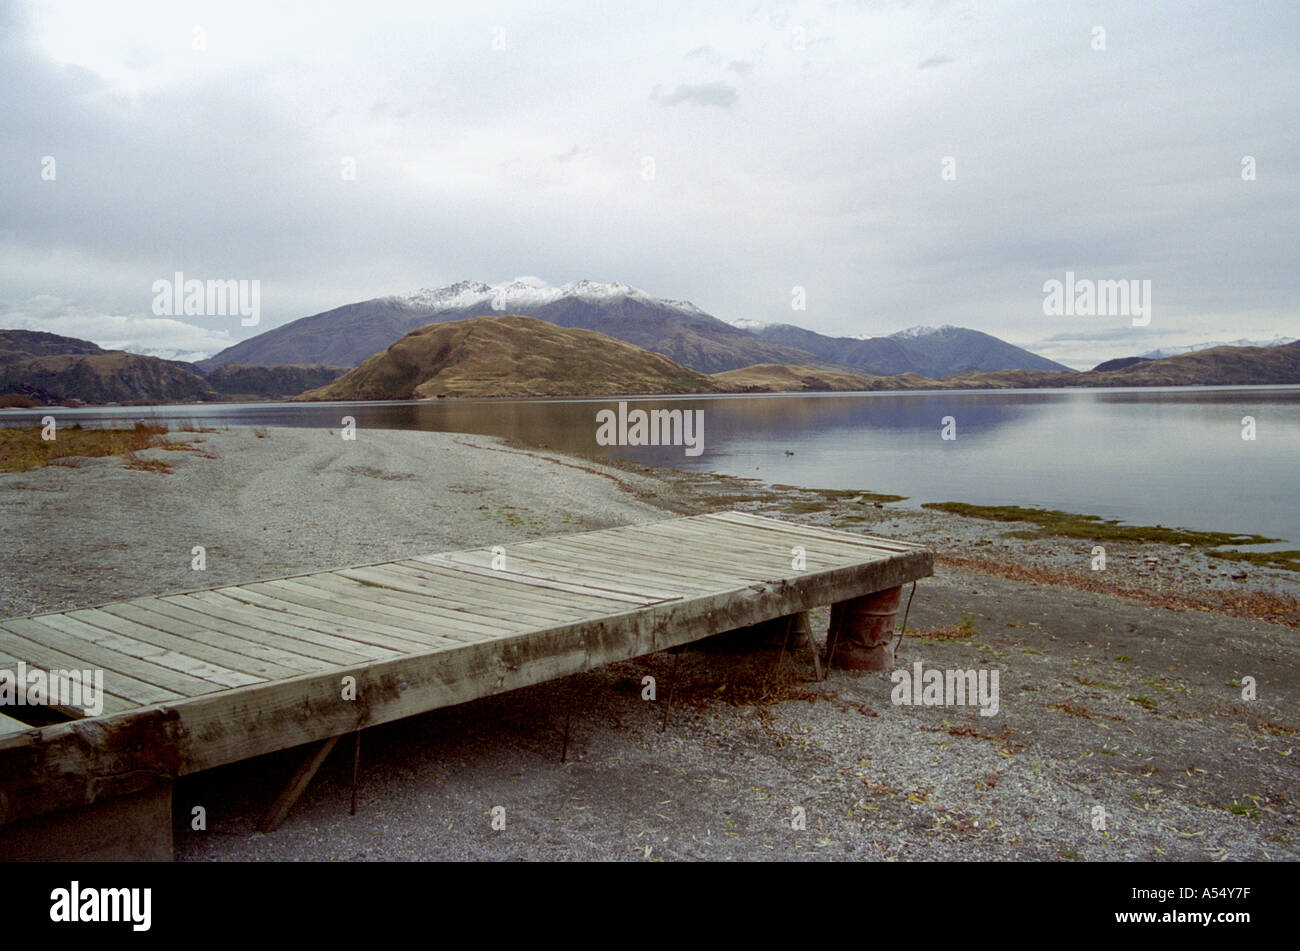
{"x":784,"y":378}
{"x":108,"y":377}
{"x":510,"y":356}
{"x":1221,"y":366}
{"x":18,"y":345}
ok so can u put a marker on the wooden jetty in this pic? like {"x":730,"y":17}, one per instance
{"x":197,"y":680}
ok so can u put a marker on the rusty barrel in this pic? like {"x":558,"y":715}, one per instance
{"x":862,"y":631}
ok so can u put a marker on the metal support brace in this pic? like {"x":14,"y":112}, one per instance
{"x":796,"y":624}
{"x":672,"y":682}
{"x":356,"y":768}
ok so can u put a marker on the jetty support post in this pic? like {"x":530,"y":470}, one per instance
{"x":861,"y":634}
{"x":133,"y":828}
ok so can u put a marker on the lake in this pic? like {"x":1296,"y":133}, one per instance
{"x":1172,"y":456}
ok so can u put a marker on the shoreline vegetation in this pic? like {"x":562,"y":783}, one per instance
{"x":22,"y":450}
{"x":1053,"y":523}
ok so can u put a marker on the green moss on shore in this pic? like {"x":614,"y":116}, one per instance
{"x":1287,"y":560}
{"x":1070,"y":525}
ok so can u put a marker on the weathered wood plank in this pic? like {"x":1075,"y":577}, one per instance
{"x":747,"y":543}
{"x":680,"y":558}
{"x":94,"y":655}
{"x":583,"y":567}
{"x":736,"y":528}
{"x":548,"y":584}
{"x":535,"y":564}
{"x":775,"y":525}
{"x":454,"y":625}
{"x":392,"y":610}
{"x":648,"y":547}
{"x":203,"y":642}
{"x":273,"y":631}
{"x":84,"y":624}
{"x":37,"y":654}
{"x":9,"y":661}
{"x":338,"y":634}
{"x":755,"y":561}
{"x":179,"y":614}
{"x":471,"y":593}
{"x":493,"y":589}
{"x":342,"y":612}
{"x":63,"y":685}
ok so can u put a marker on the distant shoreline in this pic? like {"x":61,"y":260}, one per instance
{"x":650,"y":396}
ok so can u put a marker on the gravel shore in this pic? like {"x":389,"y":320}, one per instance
{"x":1127,"y":704}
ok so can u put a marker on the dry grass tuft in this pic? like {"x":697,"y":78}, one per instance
{"x":24,"y":449}
{"x":133,"y":461}
{"x":1253,"y":605}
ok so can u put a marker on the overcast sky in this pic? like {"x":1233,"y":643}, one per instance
{"x":792,"y":144}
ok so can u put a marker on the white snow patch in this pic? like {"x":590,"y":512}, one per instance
{"x":911,"y":333}
{"x":528,"y":292}
{"x":1192,"y":348}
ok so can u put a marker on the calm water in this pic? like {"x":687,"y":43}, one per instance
{"x":1170,"y":456}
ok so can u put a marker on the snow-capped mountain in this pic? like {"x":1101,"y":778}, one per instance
{"x":930,"y":351}
{"x":345,"y":336}
{"x":524,"y":293}
{"x":1175,"y":351}
{"x":677,"y":329}
{"x":170,"y":354}
{"x":912,"y":333}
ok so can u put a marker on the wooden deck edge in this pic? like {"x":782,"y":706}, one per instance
{"x":73,"y":765}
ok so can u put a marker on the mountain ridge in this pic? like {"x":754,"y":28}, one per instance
{"x":679,"y":330}
{"x":348,"y":335}
{"x":934,"y":352}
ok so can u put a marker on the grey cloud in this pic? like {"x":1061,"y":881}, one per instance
{"x":703,"y":94}
{"x":934,"y":61}
{"x":1111,"y":334}
{"x":159,"y":336}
